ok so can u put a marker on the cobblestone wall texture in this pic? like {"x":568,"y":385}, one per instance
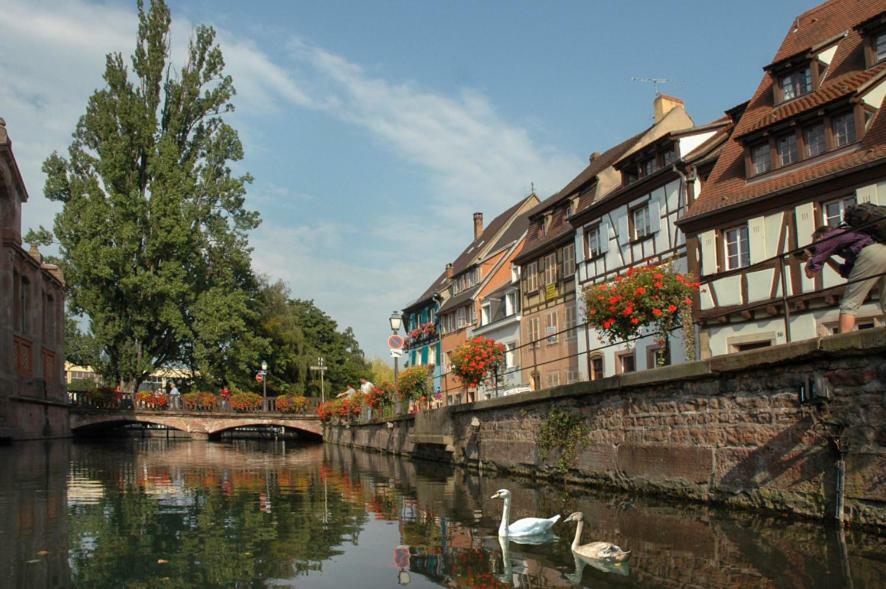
{"x":727,"y":430}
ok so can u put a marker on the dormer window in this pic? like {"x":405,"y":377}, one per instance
{"x":647,"y":166}
{"x":761,"y":161}
{"x":795,"y":84}
{"x":786,"y":147}
{"x":880,"y":46}
{"x":843,"y":129}
{"x":669,"y":156}
{"x":814,"y":139}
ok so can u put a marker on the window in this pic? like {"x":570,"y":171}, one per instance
{"x":669,"y":156}
{"x":48,"y":319}
{"x":652,"y":356}
{"x":597,"y":367}
{"x":738,"y":252}
{"x":833,"y":211}
{"x":552,"y":379}
{"x":786,"y":147}
{"x":752,"y":345}
{"x":640,"y":219}
{"x":512,"y":304}
{"x":460,"y":318}
{"x":550,"y":268}
{"x":760,"y":160}
{"x":569,"y":260}
{"x":532,"y":277}
{"x":551,"y":327}
{"x":534,"y":330}
{"x":813,"y":137}
{"x":880,"y":46}
{"x":796,"y":83}
{"x":843,"y":128}
{"x":571,"y":376}
{"x":592,"y":237}
{"x":647,"y":166}
{"x":625,"y":362}
{"x":570,"y":323}
{"x":24,"y":305}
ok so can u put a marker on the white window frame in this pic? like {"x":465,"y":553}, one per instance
{"x":570,"y":323}
{"x":569,"y":260}
{"x":841,"y":204}
{"x":550,"y":268}
{"x":592,"y":241}
{"x":552,"y":320}
{"x":743,"y":247}
{"x":460,"y":318}
{"x":532,"y":277}
{"x":642,"y":212}
{"x":533,"y":327}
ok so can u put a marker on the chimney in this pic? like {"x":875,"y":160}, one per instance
{"x":594,"y":155}
{"x":663,"y":104}
{"x":478,"y":225}
{"x":449,"y":273}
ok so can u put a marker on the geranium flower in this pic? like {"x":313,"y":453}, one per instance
{"x":672,"y":308}
{"x":640,"y":290}
{"x":656,"y":312}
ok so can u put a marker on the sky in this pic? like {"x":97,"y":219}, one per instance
{"x":375,"y":129}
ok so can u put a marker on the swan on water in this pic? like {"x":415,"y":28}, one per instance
{"x":528,"y":526}
{"x":597,"y":551}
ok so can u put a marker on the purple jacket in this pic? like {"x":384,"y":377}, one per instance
{"x":842,"y":242}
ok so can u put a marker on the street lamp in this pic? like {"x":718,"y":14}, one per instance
{"x":396,"y":320}
{"x":264,"y":382}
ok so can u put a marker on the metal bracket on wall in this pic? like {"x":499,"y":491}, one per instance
{"x":815,"y":389}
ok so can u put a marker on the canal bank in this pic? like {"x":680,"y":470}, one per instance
{"x":796,"y":428}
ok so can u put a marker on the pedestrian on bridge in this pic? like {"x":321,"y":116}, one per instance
{"x":175,"y":397}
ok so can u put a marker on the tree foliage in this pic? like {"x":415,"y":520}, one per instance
{"x":152,"y":232}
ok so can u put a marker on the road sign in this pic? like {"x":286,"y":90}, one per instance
{"x":259,"y":377}
{"x":395,"y":342}
{"x":396,"y":353}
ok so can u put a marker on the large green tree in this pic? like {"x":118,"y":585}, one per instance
{"x":153,"y":227}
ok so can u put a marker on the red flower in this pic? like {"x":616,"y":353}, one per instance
{"x":656,"y":312}
{"x":658,"y":276}
{"x":659,"y":285}
{"x":687,"y":300}
{"x":614,"y":299}
{"x":640,"y":290}
{"x":628,"y":310}
{"x":672,"y":308}
{"x":635,"y":321}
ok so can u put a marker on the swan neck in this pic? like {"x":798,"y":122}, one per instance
{"x":577,"y":539}
{"x":505,"y":517}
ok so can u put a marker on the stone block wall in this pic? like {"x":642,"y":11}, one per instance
{"x":728,"y":430}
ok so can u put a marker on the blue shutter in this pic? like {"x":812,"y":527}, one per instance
{"x":424,"y":356}
{"x":654,"y":215}
{"x":624,"y":236}
{"x":603,"y":232}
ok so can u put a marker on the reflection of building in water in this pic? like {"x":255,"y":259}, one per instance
{"x":33,"y":516}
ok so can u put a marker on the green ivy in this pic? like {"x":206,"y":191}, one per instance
{"x":563,"y":430}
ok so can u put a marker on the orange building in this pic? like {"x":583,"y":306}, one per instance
{"x":484,"y":266}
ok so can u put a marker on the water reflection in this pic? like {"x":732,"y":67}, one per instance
{"x":250,"y":514}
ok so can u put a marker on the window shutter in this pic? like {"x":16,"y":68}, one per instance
{"x":624,"y":237}
{"x":654,"y":216}
{"x":604,"y":236}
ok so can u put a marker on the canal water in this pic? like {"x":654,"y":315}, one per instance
{"x":176,"y":513}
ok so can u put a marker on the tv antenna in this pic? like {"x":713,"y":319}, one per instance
{"x":656,"y":82}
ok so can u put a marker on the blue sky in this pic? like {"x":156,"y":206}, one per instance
{"x":375,"y":129}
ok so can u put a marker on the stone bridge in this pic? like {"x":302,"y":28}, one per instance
{"x":199,"y":424}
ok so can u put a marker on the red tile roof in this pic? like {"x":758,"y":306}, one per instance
{"x":727,"y":186}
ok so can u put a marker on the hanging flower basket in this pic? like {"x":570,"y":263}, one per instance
{"x":475,"y":360}
{"x":647,"y":300}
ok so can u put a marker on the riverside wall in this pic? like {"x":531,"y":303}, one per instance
{"x":729,"y":430}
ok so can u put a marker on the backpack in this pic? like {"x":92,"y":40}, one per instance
{"x":867,"y":218}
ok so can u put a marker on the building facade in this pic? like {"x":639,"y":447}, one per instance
{"x":811,"y":141}
{"x":551,"y":350}
{"x":421,"y":321}
{"x":32,"y":391}
{"x":635,"y":225}
{"x":500,"y":321}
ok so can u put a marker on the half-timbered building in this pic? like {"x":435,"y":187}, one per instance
{"x":550,"y":346}
{"x":811,"y":141}
{"x":635,"y":225}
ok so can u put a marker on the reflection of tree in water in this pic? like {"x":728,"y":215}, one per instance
{"x":221,"y":527}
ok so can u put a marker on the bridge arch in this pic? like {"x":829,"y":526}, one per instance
{"x":199,"y":426}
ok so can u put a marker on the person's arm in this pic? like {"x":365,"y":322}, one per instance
{"x":825,"y":248}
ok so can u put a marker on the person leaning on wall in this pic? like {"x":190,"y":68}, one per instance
{"x":864,"y":266}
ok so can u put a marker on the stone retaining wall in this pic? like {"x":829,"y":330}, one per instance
{"x":729,"y":430}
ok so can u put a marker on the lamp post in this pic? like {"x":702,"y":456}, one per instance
{"x":264,"y":383}
{"x":396,"y":320}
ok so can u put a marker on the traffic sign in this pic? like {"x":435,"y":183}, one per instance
{"x":395,"y":342}
{"x":259,"y":377}
{"x":396,"y":353}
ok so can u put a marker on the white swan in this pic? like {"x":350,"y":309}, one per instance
{"x":595,"y":551}
{"x":528,"y":526}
